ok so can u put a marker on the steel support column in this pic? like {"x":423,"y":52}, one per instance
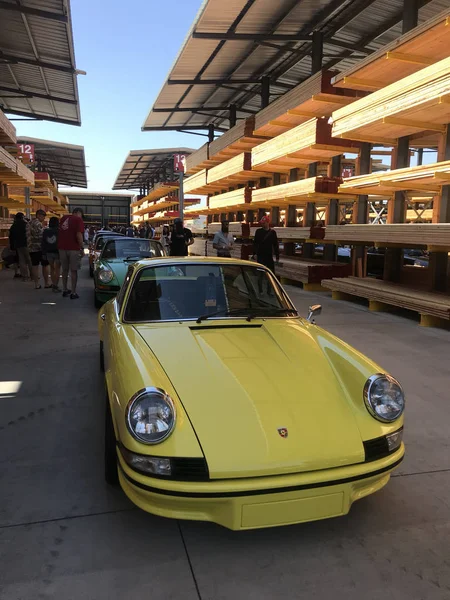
{"x":210,"y":133}
{"x":332,"y":218}
{"x":439,"y":260}
{"x":410,"y":15}
{"x":361,"y":212}
{"x":265,"y":91}
{"x":233,"y":115}
{"x":317,"y":52}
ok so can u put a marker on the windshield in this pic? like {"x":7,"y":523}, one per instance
{"x":127,"y":248}
{"x":193,"y":291}
{"x":101,"y":241}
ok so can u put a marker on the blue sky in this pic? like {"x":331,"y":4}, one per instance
{"x":127,"y":50}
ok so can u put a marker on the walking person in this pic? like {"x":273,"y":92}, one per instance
{"x":265,"y":246}
{"x":165,"y":239}
{"x":181,"y":239}
{"x":223,"y":241}
{"x":18,"y":243}
{"x":51,"y":253}
{"x":129,"y":232}
{"x":71,"y":250}
{"x":35,"y":230}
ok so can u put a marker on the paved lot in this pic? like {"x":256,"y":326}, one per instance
{"x":65,"y":535}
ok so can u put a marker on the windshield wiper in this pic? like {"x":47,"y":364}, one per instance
{"x":252,"y":314}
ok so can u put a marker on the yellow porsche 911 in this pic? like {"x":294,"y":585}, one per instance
{"x":224,"y":405}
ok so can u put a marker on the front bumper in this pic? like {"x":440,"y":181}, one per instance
{"x":260,"y":501}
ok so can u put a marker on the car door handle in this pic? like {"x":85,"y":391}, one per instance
{"x":103,"y":317}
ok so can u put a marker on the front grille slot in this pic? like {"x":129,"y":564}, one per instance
{"x":189,"y":469}
{"x":376,"y":449}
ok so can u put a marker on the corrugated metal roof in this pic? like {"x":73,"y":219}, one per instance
{"x":143,"y":166}
{"x":351,"y":29}
{"x":38,"y":76}
{"x":65,"y":162}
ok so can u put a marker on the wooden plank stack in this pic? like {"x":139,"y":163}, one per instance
{"x":427,"y":178}
{"x":300,"y":146}
{"x":233,"y":172}
{"x":197,"y":160}
{"x":196,"y":183}
{"x":406,"y":235}
{"x":237,"y":200}
{"x":7,"y":130}
{"x":425,"y":303}
{"x":420,"y":47}
{"x":310,"y":271}
{"x":12,"y":171}
{"x":301,"y":191}
{"x":419,"y":102}
{"x":315,"y":97}
{"x":239,"y":138}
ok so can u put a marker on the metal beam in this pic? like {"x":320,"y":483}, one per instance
{"x":198,"y":81}
{"x":265,"y":92}
{"x":233,"y":115}
{"x":15,"y":59}
{"x":252,"y":37}
{"x":202,"y":108}
{"x":178,"y":127}
{"x":317,"y":52}
{"x":27,"y":10}
{"x":28,"y":94}
{"x":22,"y":113}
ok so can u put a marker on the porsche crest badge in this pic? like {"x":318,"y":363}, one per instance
{"x":283,"y":432}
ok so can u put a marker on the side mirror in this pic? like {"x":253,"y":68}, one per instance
{"x":314,"y":311}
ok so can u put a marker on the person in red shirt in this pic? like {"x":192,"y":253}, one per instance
{"x":71,"y":249}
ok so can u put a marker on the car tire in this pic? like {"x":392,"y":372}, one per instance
{"x":97,"y":303}
{"x":111,"y":468}
{"x":102,"y":358}
{"x":91,"y":271}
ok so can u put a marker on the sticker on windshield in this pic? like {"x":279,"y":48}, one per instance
{"x":211,"y":298}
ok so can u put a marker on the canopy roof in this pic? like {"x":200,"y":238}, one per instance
{"x":38,"y":77}
{"x":237,"y":48}
{"x":64,"y":162}
{"x":143,"y":166}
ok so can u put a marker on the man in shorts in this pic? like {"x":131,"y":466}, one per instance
{"x":71,"y":250}
{"x":35,"y":229}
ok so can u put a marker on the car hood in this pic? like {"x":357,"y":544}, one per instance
{"x":245,"y":386}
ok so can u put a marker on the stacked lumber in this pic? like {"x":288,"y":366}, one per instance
{"x":427,"y":178}
{"x":416,"y":103}
{"x":300,"y":146}
{"x":203,"y":247}
{"x":303,"y":190}
{"x":406,"y":235}
{"x":7,"y":130}
{"x":310,"y":270}
{"x":239,"y":138}
{"x":197,"y":160}
{"x":168,"y":202}
{"x":426,"y":303}
{"x":12,"y":171}
{"x":237,"y":200}
{"x":159,"y":190}
{"x":233,"y":172}
{"x":195,"y":183}
{"x":315,"y":97}
{"x":420,"y":47}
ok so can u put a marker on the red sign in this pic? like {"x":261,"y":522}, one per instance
{"x":348,"y":172}
{"x":26,"y":153}
{"x":179,"y":163}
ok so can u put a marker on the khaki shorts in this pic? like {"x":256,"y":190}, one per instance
{"x":70,"y":260}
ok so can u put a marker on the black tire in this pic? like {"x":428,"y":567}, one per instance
{"x":102,"y":358}
{"x":91,"y":271}
{"x":111,"y":469}
{"x":97,"y":303}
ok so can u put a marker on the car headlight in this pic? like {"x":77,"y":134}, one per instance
{"x":105,"y":275}
{"x":150,"y":416}
{"x":384,"y":398}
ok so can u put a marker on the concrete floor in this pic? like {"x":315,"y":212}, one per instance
{"x":64,"y":534}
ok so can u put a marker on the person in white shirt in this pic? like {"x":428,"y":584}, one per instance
{"x":223,"y":241}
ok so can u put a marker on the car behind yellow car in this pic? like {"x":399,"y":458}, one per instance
{"x":224,"y":405}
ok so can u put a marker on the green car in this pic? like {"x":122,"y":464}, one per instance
{"x":115,"y":258}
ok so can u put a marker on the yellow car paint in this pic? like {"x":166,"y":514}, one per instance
{"x":233,"y":389}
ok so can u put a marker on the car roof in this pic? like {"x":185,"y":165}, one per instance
{"x":194,"y":260}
